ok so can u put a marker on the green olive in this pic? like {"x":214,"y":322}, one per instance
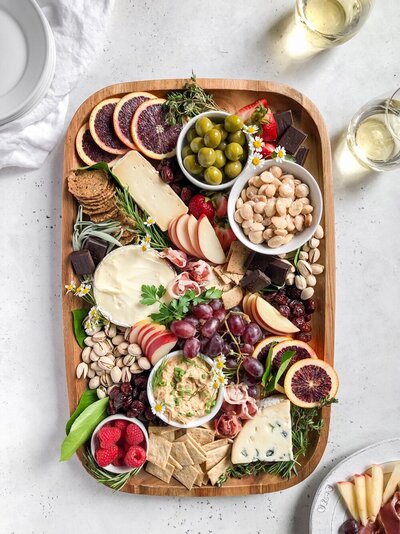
{"x":244,"y":156}
{"x":203,"y":125}
{"x":191,"y":165}
{"x":233,"y":151}
{"x":221,"y":128}
{"x":213,"y":176}
{"x":196,"y":144}
{"x":191,"y":134}
{"x":233,"y":123}
{"x":206,"y":157}
{"x":232,"y":169}
{"x":220,"y":159}
{"x":212,"y":138}
{"x":222,"y":145}
{"x":237,"y":137}
{"x":186,"y":151}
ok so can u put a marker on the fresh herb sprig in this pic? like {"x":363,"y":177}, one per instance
{"x":142,"y":230}
{"x":305,"y":422}
{"x":182,"y":105}
{"x":270,"y":380}
{"x":177,"y":308}
{"x":109,"y":231}
{"x":115,"y":482}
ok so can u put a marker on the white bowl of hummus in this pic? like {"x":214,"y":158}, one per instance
{"x":183,"y":392}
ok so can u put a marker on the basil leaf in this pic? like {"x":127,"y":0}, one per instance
{"x":286,"y":357}
{"x":88,"y":398}
{"x":268,"y":364}
{"x":83,"y":427}
{"x":78,"y":317}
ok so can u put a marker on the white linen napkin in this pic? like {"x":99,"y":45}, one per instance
{"x":79,"y":29}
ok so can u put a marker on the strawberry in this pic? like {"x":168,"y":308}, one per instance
{"x":108,"y":436}
{"x":133,"y":435}
{"x":253,"y":113}
{"x":220,"y":204}
{"x":267,"y":149}
{"x":225,"y":235}
{"x":269,"y":128}
{"x":105,"y":457}
{"x":135,"y":457}
{"x":199,"y":205}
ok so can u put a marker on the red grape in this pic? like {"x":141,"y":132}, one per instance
{"x":215,"y":345}
{"x":253,"y":391}
{"x":202,"y":311}
{"x":216,"y":304}
{"x":231,"y":363}
{"x":192,"y":320}
{"x":225,"y":349}
{"x":219,"y":315}
{"x":182,"y":329}
{"x":249,"y":380}
{"x":236,"y":324}
{"x":203,"y":344}
{"x":247,"y":349}
{"x":191,"y":348}
{"x":252,"y":334}
{"x":253,"y":367}
{"x":210,"y":327}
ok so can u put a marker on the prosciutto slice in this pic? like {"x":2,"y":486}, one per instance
{"x":177,"y":257}
{"x":238,"y":401}
{"x":389,"y":516}
{"x":180,"y":284}
{"x":199,"y":271}
{"x":228,"y":425}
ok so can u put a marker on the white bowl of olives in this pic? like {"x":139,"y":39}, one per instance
{"x":213,"y":150}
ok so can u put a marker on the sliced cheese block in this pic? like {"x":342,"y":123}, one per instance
{"x":267,"y":437}
{"x":154,"y":196}
{"x":208,"y":242}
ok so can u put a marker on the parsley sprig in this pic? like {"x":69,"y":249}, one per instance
{"x":177,"y":308}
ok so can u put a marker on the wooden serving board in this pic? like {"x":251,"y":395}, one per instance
{"x":230,"y":95}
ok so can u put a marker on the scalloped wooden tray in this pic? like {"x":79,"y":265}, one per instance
{"x":231,"y":95}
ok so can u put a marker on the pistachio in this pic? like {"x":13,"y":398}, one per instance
{"x":93,"y":356}
{"x":317,"y":268}
{"x":119,"y":362}
{"x":101,"y":348}
{"x":122,"y":348}
{"x":144,"y":363}
{"x":116,"y":340}
{"x":94,"y":382}
{"x":129,"y":360}
{"x":91,"y":373}
{"x":101,"y":392}
{"x":300,"y":282}
{"x":105,"y":363}
{"x":116,"y":375}
{"x":106,"y":380}
{"x":314,"y":255}
{"x":88,"y":341}
{"x":126,"y":374}
{"x":135,"y":369}
{"x":134,"y":349}
{"x":306,"y":248}
{"x":86,"y":354}
{"x":94,"y":366}
{"x":290,"y":279}
{"x":304,"y":268}
{"x":319,"y":232}
{"x":307,"y":293}
{"x":314,"y":243}
{"x":99,"y":336}
{"x":311,"y":280}
{"x":303,"y":255}
{"x":111,"y":330}
{"x":82,"y":370}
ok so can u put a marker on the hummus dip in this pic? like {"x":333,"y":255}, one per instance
{"x":184,"y":387}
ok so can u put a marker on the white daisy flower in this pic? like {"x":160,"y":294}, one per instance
{"x":219,"y":362}
{"x":256,"y":159}
{"x":256,"y":144}
{"x":71,"y":287}
{"x":150,"y":221}
{"x":83,"y":289}
{"x":279,"y":154}
{"x":250,"y":129}
{"x":158,"y":408}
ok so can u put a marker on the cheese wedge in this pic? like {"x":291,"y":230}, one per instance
{"x":153,"y":196}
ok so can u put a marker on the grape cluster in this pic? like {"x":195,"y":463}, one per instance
{"x":288,"y":302}
{"x":171,"y":174}
{"x":131,"y":399}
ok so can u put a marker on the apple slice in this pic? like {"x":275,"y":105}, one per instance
{"x":392,"y":484}
{"x":182,"y":234}
{"x":250,"y":306}
{"x":160,"y":346}
{"x":347,"y":491}
{"x":192,"y":231}
{"x":150,"y":334}
{"x":172,"y":233}
{"x":208,"y":241}
{"x":270,"y":319}
{"x":244,"y":303}
{"x":146,"y":329}
{"x":374,"y":491}
{"x":361,"y":497}
{"x":134,"y":331}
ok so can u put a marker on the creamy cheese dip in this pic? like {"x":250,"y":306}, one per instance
{"x":118,"y":280}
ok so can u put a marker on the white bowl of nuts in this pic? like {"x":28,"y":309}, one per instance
{"x":276,"y":208}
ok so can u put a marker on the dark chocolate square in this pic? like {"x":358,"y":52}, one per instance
{"x":284,"y":119}
{"x":301,"y":155}
{"x":82,"y":262}
{"x":97,"y":248}
{"x":292,"y":139}
{"x":277,"y":270}
{"x":254,"y":281}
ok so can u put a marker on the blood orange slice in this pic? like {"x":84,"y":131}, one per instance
{"x":153,"y":136}
{"x":90,"y":152}
{"x":301,"y":351}
{"x":102,"y":128}
{"x":310,"y":381}
{"x":123,"y":115}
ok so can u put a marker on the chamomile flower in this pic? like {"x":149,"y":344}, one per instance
{"x":147,"y":239}
{"x":215,"y":384}
{"x":219,"y":362}
{"x":158,"y":408}
{"x":279,"y":154}
{"x":71,"y":287}
{"x":256,"y":159}
{"x":250,"y":129}
{"x":150,"y":221}
{"x":144,"y":245}
{"x":83,"y":289}
{"x":256,"y":144}
{"x":94,"y":313}
{"x":220,"y":378}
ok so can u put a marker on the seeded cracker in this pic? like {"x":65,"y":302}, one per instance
{"x":159,"y":450}
{"x":87,"y":184}
{"x":237,"y":257}
{"x":187,"y":476}
{"x":163,"y":474}
{"x":180,"y":453}
{"x":232,"y":298}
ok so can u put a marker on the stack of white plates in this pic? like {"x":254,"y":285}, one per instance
{"x":27,"y":57}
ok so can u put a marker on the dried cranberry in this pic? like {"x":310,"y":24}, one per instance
{"x":298,"y":321}
{"x":138,"y":405}
{"x":136,"y":392}
{"x":143,"y":397}
{"x":303,"y":336}
{"x":119,"y":401}
{"x":149,"y":414}
{"x":111,"y":408}
{"x":126,"y":388}
{"x":114,"y":392}
{"x":177,"y":188}
{"x":281,"y":299}
{"x":293,"y":292}
{"x":142,"y":418}
{"x":126,"y":402}
{"x":298,"y":310}
{"x":310,"y":305}
{"x":131,"y":413}
{"x":141,"y":381}
{"x":186,"y":194}
{"x":307,"y":318}
{"x":284,"y":310}
{"x":305,"y":327}
{"x":270,"y":295}
{"x":166,"y":174}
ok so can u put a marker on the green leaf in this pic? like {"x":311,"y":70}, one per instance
{"x":88,"y":398}
{"x":78,"y":317}
{"x":83,"y":427}
{"x":268,"y":364}
{"x":149,"y":294}
{"x":286,"y":357}
{"x":296,"y":257}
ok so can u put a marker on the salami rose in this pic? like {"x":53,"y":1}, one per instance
{"x":199,"y":271}
{"x":228,"y":425}
{"x":177,"y":257}
{"x":180,"y":284}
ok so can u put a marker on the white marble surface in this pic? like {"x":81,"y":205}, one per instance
{"x":167,"y":38}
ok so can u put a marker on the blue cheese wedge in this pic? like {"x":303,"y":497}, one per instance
{"x":154,"y":196}
{"x":267,"y":437}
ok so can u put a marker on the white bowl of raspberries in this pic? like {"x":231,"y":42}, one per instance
{"x":119,"y":444}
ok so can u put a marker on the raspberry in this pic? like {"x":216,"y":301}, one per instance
{"x":119,"y":460}
{"x":108,"y":436}
{"x":121,"y":424}
{"x":133,"y":435}
{"x":135,"y":457}
{"x":105,"y":456}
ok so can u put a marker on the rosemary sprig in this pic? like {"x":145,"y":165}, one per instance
{"x":182,"y":105}
{"x":126,"y":203}
{"x":115,"y":482}
{"x":305,"y":421}
{"x":109,"y":231}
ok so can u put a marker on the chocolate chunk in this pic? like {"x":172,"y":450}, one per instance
{"x":254,"y":281}
{"x":277,"y":270}
{"x":301,"y":155}
{"x":82,"y":262}
{"x":97,"y":248}
{"x":292,"y":139}
{"x":284,"y":119}
{"x":256,"y":261}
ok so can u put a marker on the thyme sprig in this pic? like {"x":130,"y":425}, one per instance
{"x":182,"y":105}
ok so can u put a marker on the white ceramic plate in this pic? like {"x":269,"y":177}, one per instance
{"x":328,"y":512}
{"x":27,"y":67}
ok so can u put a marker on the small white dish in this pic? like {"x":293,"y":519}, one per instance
{"x":114,"y":468}
{"x":201,"y":420}
{"x":201,"y":184}
{"x":299,"y":239}
{"x":27,"y":69}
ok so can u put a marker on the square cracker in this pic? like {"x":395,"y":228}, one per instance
{"x":159,"y":450}
{"x":232,"y":298}
{"x":215,"y":444}
{"x":180,"y":453}
{"x":237,"y":257}
{"x":163,"y":474}
{"x":201,"y":435}
{"x":167,"y":432}
{"x":187,"y":476}
{"x":221,"y":274}
{"x":196,"y":451}
{"x":175,"y":463}
{"x":216,"y":455}
{"x":219,"y":470}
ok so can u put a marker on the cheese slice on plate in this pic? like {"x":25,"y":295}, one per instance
{"x":267,"y":437}
{"x":154,"y":196}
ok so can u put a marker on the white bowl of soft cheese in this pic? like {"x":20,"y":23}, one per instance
{"x":118,"y":280}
